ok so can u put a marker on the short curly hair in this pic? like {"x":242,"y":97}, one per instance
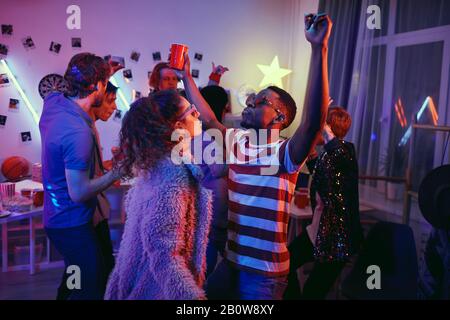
{"x":288,"y":102}
{"x":217,"y":98}
{"x":145,"y":136}
{"x":339,"y":121}
{"x":83,"y":73}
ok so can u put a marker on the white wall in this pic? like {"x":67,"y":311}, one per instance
{"x":236,"y":33}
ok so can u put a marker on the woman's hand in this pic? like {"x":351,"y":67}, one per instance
{"x":220,"y":70}
{"x":186,"y":72}
{"x":327,"y":133}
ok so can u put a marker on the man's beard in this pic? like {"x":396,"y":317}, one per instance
{"x":248,"y":120}
{"x":247,"y":125}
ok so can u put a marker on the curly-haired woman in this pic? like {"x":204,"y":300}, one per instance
{"x":163,"y":248}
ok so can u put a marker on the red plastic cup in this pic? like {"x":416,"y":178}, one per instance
{"x":26,"y":193}
{"x":38,"y":197}
{"x":177,"y":56}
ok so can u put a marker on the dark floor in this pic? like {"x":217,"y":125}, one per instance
{"x":42,"y":285}
{"x":20,"y":285}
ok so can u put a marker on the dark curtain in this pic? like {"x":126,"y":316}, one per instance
{"x":342,"y":46}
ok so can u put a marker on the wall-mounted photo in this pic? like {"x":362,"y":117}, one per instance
{"x":76,"y":43}
{"x":28,"y":43}
{"x":3,"y":49}
{"x":156,"y":56}
{"x":135,"y":56}
{"x":198,"y":56}
{"x":195,"y":73}
{"x":127,"y":74}
{"x":13,"y":105}
{"x":3,"y":120}
{"x":4,"y":80}
{"x":26,"y":136}
{"x":7,"y":29}
{"x":55,"y":47}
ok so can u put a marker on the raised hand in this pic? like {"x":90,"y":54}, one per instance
{"x":327,"y":133}
{"x":318,"y":28}
{"x":220,"y":70}
{"x":186,"y":72}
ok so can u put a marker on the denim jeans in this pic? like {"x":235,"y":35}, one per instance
{"x":230,"y":283}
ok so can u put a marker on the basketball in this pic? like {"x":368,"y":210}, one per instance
{"x":15,"y":168}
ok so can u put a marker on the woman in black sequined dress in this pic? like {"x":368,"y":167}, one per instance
{"x":335,"y":233}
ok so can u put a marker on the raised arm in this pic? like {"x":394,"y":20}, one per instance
{"x":207,"y":116}
{"x":317,"y":32}
{"x":216,"y":74}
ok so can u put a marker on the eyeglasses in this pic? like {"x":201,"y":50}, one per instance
{"x":189,"y":110}
{"x":253,"y":103}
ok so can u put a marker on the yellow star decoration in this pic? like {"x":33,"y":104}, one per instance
{"x":273,"y":73}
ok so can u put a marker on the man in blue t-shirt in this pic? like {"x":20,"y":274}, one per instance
{"x":70,"y":190}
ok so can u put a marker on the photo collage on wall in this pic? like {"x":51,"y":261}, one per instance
{"x":14,"y":104}
{"x":55,"y":47}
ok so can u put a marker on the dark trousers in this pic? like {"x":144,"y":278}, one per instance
{"x":229,"y":283}
{"x":321,"y":278}
{"x":83,"y":246}
{"x":216,"y":245}
{"x":106,"y":248}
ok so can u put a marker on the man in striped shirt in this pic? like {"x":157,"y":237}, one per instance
{"x":262,"y":175}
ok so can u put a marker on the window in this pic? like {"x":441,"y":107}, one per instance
{"x":417,"y":79}
{"x":396,"y":75}
{"x":415,"y":15}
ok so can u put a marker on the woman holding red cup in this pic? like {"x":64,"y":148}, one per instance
{"x":164,"y":76}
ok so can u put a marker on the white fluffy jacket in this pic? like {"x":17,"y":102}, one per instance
{"x":162,"y":254}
